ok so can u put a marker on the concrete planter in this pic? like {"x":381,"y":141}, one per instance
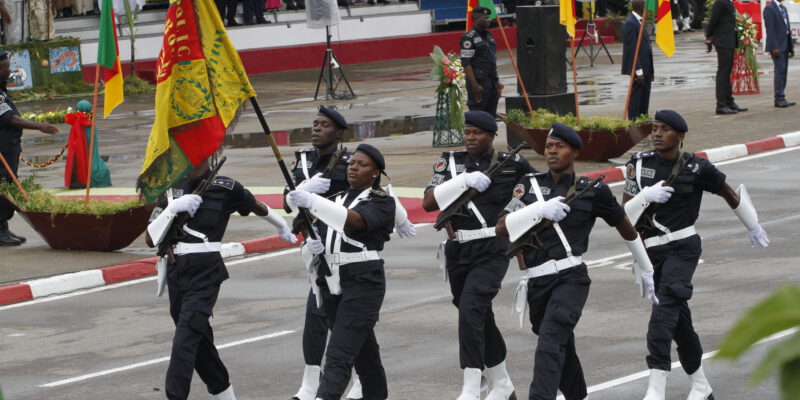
{"x":597,"y":145}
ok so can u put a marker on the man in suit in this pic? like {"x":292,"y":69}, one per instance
{"x":721,"y":32}
{"x":640,"y":94}
{"x":780,"y":46}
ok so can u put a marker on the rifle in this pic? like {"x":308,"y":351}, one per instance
{"x":297,"y":223}
{"x":444,"y":219}
{"x":531,"y":237}
{"x":175,"y":231}
{"x":645,"y":222}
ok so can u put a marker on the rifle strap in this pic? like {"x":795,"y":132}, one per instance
{"x":332,"y":162}
{"x":540,"y":197}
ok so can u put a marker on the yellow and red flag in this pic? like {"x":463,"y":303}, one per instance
{"x":566,"y":15}
{"x":200,"y":85}
{"x":665,"y":37}
{"x":108,"y":59}
{"x":479,"y":3}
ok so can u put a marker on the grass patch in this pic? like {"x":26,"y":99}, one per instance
{"x":57,"y":90}
{"x":135,"y":86}
{"x":41,"y":200}
{"x":543,"y":119}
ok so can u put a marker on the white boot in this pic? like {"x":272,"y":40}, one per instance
{"x":675,"y":27}
{"x":701,"y":389}
{"x":687,"y":24}
{"x":657,"y":385}
{"x":308,"y":389}
{"x":355,"y":390}
{"x":502,"y":388}
{"x":472,"y":385}
{"x":227,"y":394}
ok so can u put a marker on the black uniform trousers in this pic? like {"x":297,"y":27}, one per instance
{"x":473,"y":286}
{"x":226,"y":8}
{"x":12,"y":158}
{"x":193,"y":344}
{"x":674,"y":265}
{"x":640,"y":99}
{"x":353,"y":315}
{"x":490,"y":97}
{"x":556,"y":303}
{"x":315,"y":331}
{"x":253,"y":10}
{"x":724,"y":91}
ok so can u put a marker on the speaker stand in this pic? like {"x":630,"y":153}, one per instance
{"x":333,"y":74}
{"x":591,"y":27}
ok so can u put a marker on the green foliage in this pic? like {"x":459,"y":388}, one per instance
{"x":47,"y":117}
{"x":41,"y":200}
{"x":38,"y":45}
{"x":778,"y":312}
{"x":543,"y":119}
{"x":54,"y":91}
{"x":135,"y":86}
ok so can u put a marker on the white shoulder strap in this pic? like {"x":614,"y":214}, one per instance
{"x":539,"y":197}
{"x":639,"y":173}
{"x":339,"y":237}
{"x":470,"y":205}
{"x":304,"y":164}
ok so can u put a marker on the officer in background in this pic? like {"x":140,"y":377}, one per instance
{"x":474,"y":258}
{"x":673,"y":244}
{"x":478,"y":57}
{"x":353,"y":227}
{"x":195,"y":278}
{"x":11,"y":126}
{"x":555,"y":282}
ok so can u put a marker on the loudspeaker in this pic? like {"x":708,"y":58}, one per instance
{"x":561,"y":104}
{"x":541,"y":49}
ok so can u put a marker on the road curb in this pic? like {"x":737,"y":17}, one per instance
{"x":65,"y":283}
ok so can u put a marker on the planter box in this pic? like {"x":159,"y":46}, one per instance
{"x":597,"y":145}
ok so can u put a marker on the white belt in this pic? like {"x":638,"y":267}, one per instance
{"x":464,"y":235}
{"x":553,"y":267}
{"x":188,"y":248}
{"x":670,"y":237}
{"x":348,"y":258}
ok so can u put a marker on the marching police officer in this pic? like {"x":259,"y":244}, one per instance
{"x":11,"y":126}
{"x":309,"y":175}
{"x":194,"y":279}
{"x":478,"y":57}
{"x":675,"y":182}
{"x":474,"y":257}
{"x":353,"y":227}
{"x":556,"y":281}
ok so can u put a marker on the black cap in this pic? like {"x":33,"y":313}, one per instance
{"x":673,"y":119}
{"x":481,"y":10}
{"x":481,"y":119}
{"x":374,"y":154}
{"x":334,"y":115}
{"x":3,"y":55}
{"x":565,"y":134}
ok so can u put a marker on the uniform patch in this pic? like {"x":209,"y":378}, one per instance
{"x":514,"y":205}
{"x":478,"y":39}
{"x":440,"y":165}
{"x":631,"y":188}
{"x":460,"y":168}
{"x":545,"y":191}
{"x":648,"y":173}
{"x":630,"y":171}
{"x":695,"y":167}
{"x":467,"y":53}
{"x":227,"y":183}
{"x":467,"y":44}
{"x":436,"y":180}
{"x":519,"y":191}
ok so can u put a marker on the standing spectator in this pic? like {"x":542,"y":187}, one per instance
{"x":640,"y":94}
{"x":780,"y":46}
{"x":254,"y":8}
{"x":478,"y":57}
{"x":227,"y":11}
{"x":721,"y":32}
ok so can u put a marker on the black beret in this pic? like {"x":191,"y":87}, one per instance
{"x":334,"y":115}
{"x":481,"y":10}
{"x":481,"y":119}
{"x":673,"y":119}
{"x":566,"y":134}
{"x":3,"y":55}
{"x":374,"y":154}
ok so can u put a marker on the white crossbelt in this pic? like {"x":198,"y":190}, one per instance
{"x":189,"y":248}
{"x":348,"y":258}
{"x":670,"y":237}
{"x":466,"y":235}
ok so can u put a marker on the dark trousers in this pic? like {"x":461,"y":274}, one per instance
{"x":724,"y":69}
{"x":679,"y":8}
{"x":315,"y":332}
{"x":473,"y":286}
{"x":253,"y":10}
{"x":12,"y":158}
{"x":640,"y":99}
{"x":556,"y":304}
{"x":674,"y":265}
{"x":489,"y":100}
{"x":193,"y":344}
{"x":226,"y":8}
{"x":354,"y":314}
{"x":781,"y":63}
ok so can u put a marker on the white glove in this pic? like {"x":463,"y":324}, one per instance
{"x":758,"y":235}
{"x":554,"y":209}
{"x":477,"y":180}
{"x":406,"y":229}
{"x":301,"y":198}
{"x":316,"y":184}
{"x":188,"y":202}
{"x":315,"y":245}
{"x":649,"y":286}
{"x":657,"y":193}
{"x":286,"y":235}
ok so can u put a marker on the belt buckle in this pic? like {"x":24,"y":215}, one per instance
{"x":459,"y":236}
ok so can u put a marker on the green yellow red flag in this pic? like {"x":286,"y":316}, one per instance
{"x":108,"y":59}
{"x":566,"y":15}
{"x":479,"y":3}
{"x":200,"y":86}
{"x":665,"y":38}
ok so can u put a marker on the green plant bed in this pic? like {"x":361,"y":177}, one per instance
{"x":135,"y":86}
{"x":57,"y":90}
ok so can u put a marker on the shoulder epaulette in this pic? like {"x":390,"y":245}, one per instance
{"x":309,"y":150}
{"x":225,"y":182}
{"x":470,"y":33}
{"x":644,"y":154}
{"x":535,"y":173}
{"x":379,"y":192}
{"x":333,"y":196}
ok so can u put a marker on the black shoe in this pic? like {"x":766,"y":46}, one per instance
{"x":734,"y":106}
{"x":232,"y":22}
{"x":263,"y":21}
{"x":784,"y":104}
{"x":249,"y":23}
{"x":6,"y":239}
{"x":725,"y":111}
{"x":4,"y":227}
{"x":371,"y":2}
{"x":291,"y":6}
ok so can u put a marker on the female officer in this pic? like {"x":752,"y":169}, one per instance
{"x":353,"y":228}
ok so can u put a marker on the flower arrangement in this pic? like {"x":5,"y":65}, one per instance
{"x":49,"y":117}
{"x":746,"y":33}
{"x":450,"y":75}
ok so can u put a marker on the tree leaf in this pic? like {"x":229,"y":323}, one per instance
{"x":781,"y":354}
{"x":790,"y":380}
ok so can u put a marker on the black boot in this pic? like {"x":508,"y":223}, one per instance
{"x":4,"y":227}
{"x":7,"y":240}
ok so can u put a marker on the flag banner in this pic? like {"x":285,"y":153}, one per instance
{"x":479,"y":3}
{"x":662,"y":14}
{"x":108,"y":60}
{"x":566,"y":15}
{"x":200,"y":86}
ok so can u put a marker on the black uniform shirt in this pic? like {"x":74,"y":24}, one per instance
{"x":683,"y":208}
{"x":378,"y":213}
{"x":597,"y":202}
{"x":9,"y":134}
{"x":478,"y":49}
{"x":338,"y":176}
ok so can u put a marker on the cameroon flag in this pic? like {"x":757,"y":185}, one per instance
{"x":665,"y":38}
{"x":479,"y":3}
{"x":108,"y":59}
{"x":566,"y":15}
{"x":200,"y":85}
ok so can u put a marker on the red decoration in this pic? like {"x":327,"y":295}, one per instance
{"x":77,"y":149}
{"x":742,"y":79}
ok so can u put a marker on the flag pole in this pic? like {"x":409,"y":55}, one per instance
{"x":91,"y":134}
{"x":575,"y":79}
{"x":514,"y":63}
{"x":14,"y":177}
{"x":633,"y":67}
